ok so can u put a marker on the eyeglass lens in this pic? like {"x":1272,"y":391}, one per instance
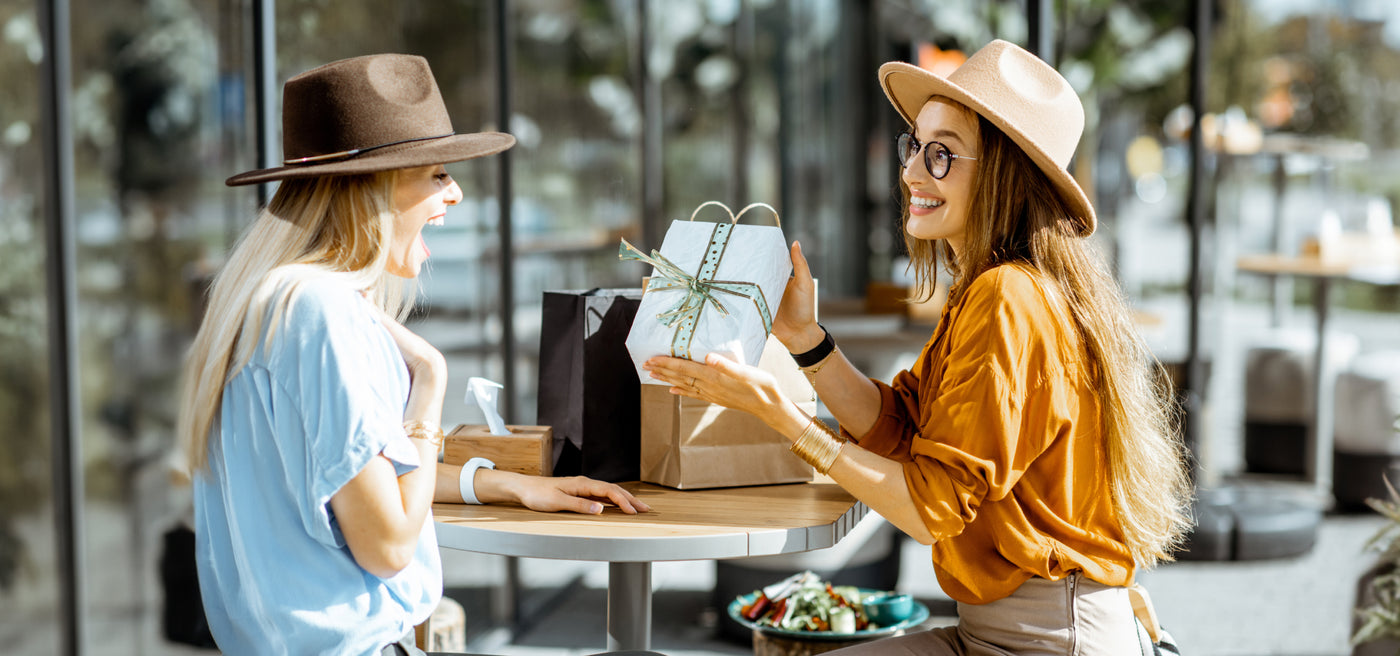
{"x":936,"y":155}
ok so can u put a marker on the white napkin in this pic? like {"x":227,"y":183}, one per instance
{"x":485,"y":392}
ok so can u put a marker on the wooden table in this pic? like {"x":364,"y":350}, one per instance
{"x":1322,"y":270}
{"x":682,"y":525}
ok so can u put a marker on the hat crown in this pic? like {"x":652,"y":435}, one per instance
{"x":1033,"y":97}
{"x":359,"y":103}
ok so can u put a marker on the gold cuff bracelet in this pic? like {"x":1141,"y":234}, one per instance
{"x":423,"y":430}
{"x":818,"y":446}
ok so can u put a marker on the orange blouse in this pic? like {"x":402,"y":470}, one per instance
{"x":998,"y":427}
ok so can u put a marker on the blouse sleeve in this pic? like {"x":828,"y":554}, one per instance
{"x":898,"y":422}
{"x":346,"y":385}
{"x":992,"y":413}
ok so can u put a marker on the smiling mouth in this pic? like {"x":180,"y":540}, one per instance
{"x":438,"y":220}
{"x":925,"y":202}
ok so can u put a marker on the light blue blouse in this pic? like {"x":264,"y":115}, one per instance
{"x":300,"y":420}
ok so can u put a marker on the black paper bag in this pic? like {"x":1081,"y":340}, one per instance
{"x":589,"y":393}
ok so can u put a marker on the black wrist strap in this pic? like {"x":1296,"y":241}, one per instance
{"x":818,"y":353}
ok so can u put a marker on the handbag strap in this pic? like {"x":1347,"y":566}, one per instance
{"x":1142,"y":608}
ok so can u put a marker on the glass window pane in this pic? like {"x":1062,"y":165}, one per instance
{"x":155,"y":134}
{"x":28,"y":578}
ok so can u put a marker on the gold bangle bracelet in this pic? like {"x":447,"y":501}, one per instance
{"x":818,"y":446}
{"x":423,"y":430}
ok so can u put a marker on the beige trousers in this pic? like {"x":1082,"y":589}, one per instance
{"x":1071,"y":617}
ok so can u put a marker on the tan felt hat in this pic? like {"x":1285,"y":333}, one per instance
{"x":368,"y":114}
{"x":1020,"y":94}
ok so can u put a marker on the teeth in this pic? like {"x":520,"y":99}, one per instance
{"x":437,"y":221}
{"x":920,"y":201}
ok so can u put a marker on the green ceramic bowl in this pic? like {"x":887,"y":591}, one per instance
{"x":888,"y":608}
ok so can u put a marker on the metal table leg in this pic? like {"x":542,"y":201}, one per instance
{"x":1319,"y":465}
{"x":629,"y":606}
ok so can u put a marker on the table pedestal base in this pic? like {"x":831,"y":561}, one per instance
{"x":629,"y":606}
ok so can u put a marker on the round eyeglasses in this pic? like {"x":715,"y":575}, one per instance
{"x":937,"y":158}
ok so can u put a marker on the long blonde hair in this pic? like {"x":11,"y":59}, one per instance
{"x":1016,"y":215}
{"x":336,"y":226}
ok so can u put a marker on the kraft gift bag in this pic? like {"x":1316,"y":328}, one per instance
{"x":585,"y":394}
{"x":689,"y":444}
{"x":714,"y":288}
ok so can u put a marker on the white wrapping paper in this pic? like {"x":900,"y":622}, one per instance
{"x":748,"y":272}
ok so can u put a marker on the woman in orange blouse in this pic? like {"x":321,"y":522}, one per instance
{"x":1029,"y":444}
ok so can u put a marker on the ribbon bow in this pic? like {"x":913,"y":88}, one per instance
{"x":700,"y":289}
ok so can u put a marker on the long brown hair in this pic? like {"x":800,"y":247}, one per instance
{"x":336,"y":226}
{"x":1015,"y":215}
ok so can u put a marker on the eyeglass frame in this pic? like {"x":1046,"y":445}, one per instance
{"x":918,"y":146}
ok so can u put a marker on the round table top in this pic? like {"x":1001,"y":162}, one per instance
{"x":682,"y":525}
{"x":1376,"y":271}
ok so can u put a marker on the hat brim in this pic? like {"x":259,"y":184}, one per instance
{"x":454,"y":148}
{"x":909,"y":87}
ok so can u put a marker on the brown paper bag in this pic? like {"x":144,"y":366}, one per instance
{"x":689,"y":444}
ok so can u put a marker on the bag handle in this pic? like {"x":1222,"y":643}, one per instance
{"x":765,"y":206}
{"x":734,"y":218}
{"x":1142,"y":608}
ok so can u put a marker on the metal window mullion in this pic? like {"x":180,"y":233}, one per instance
{"x":1194,"y":380}
{"x":653,"y":225}
{"x":265,"y":90}
{"x":1040,"y":17}
{"x":62,"y":298}
{"x":504,"y":193}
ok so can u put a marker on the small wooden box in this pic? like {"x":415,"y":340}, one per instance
{"x":527,"y":450}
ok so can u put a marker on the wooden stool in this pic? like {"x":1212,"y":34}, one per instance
{"x":445,"y":630}
{"x":773,"y":645}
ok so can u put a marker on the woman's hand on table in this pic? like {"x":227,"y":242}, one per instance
{"x":578,"y":494}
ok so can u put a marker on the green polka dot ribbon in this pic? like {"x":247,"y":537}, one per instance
{"x":700,"y":289}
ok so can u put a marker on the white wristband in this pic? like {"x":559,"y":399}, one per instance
{"x":466,"y":481}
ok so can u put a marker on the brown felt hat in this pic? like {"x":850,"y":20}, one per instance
{"x":1023,"y":96}
{"x":368,"y":114}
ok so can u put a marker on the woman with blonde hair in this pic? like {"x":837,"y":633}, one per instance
{"x":310,"y":415}
{"x":1029,"y":444}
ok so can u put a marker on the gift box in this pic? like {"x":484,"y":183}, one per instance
{"x":690,"y":444}
{"x":714,"y":288}
{"x":527,"y":450}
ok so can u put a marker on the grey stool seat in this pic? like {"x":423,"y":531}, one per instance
{"x":1278,"y":396}
{"x":1366,"y":438}
{"x":1248,"y":523}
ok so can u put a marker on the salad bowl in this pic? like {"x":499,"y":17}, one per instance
{"x":918,"y":615}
